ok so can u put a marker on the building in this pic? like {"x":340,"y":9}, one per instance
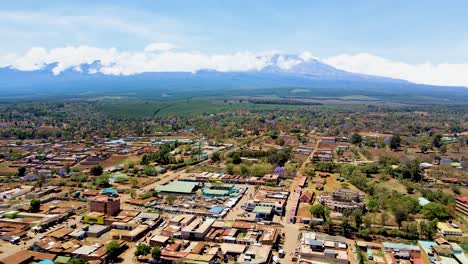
{"x":197,"y":229}
{"x":178,"y":188}
{"x":449,"y":230}
{"x":462,"y":205}
{"x":256,"y":254}
{"x":159,"y":240}
{"x":329,"y":139}
{"x":323,"y":248}
{"x":97,"y":230}
{"x":105,"y":205}
{"x":343,"y":199}
{"x":441,"y":251}
{"x":219,"y":190}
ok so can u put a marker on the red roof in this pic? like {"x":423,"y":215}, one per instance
{"x":463,"y":199}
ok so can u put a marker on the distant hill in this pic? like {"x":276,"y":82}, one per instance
{"x":286,"y":76}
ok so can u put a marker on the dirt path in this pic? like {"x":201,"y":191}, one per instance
{"x":232,"y":215}
{"x":291,"y":241}
{"x":292,"y":231}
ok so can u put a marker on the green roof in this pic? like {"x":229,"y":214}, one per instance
{"x":209,"y":191}
{"x":262,"y":209}
{"x":177,"y":187}
{"x":62,"y":259}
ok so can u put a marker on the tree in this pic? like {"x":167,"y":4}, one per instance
{"x":320,"y":211}
{"x":216,"y":156}
{"x":34,"y":205}
{"x":401,"y":214}
{"x":96,"y":170}
{"x":395,"y":142}
{"x":142,"y":250}
{"x":357,"y":217}
{"x":236,"y":159}
{"x":345,"y":224}
{"x":76,"y":261}
{"x":435,"y":211}
{"x":355,"y":139}
{"x":113,"y":249}
{"x":428,"y":229}
{"x":102,"y":181}
{"x":437,"y":141}
{"x":145,"y":160}
{"x":134,"y":182}
{"x":424,"y":148}
{"x":443,"y":148}
{"x":339,"y":152}
{"x":132,"y":193}
{"x":156,"y":252}
{"x":170,"y":199}
{"x":21,"y":171}
{"x":383,"y":218}
{"x":229,"y":169}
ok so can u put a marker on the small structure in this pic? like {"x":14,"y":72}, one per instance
{"x":118,"y":177}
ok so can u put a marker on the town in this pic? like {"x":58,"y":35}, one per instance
{"x":295,"y":195}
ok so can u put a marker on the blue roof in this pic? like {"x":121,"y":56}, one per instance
{"x":109,"y":190}
{"x":46,"y":261}
{"x":426,"y":245}
{"x":216,"y":209}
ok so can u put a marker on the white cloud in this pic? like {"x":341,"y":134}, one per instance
{"x":126,"y":63}
{"x":425,"y":73}
{"x":113,"y":61}
{"x":160,"y":46}
{"x":287,"y":63}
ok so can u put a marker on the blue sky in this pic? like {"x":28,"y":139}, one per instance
{"x":411,"y":32}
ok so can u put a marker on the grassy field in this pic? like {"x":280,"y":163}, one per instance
{"x":136,"y":110}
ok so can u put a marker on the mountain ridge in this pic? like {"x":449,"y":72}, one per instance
{"x":282,"y":72}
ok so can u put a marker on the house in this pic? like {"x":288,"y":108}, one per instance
{"x":306,"y":196}
{"x":448,"y":229}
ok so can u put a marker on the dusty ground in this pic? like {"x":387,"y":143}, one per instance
{"x":5,"y":168}
{"x":304,"y":210}
{"x":120,"y":160}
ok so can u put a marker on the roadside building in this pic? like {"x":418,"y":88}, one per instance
{"x":178,"y":188}
{"x":105,"y":205}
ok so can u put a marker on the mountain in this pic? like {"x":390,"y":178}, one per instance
{"x":285,"y":76}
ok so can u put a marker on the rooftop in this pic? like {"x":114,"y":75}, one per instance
{"x":178,"y":187}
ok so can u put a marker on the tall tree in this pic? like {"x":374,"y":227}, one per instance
{"x":395,"y":142}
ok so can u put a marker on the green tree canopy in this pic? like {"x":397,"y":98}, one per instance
{"x":321,"y":211}
{"x":113,"y":249}
{"x":435,"y":211}
{"x":142,"y":250}
{"x":34,"y":205}
{"x":96,"y":170}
